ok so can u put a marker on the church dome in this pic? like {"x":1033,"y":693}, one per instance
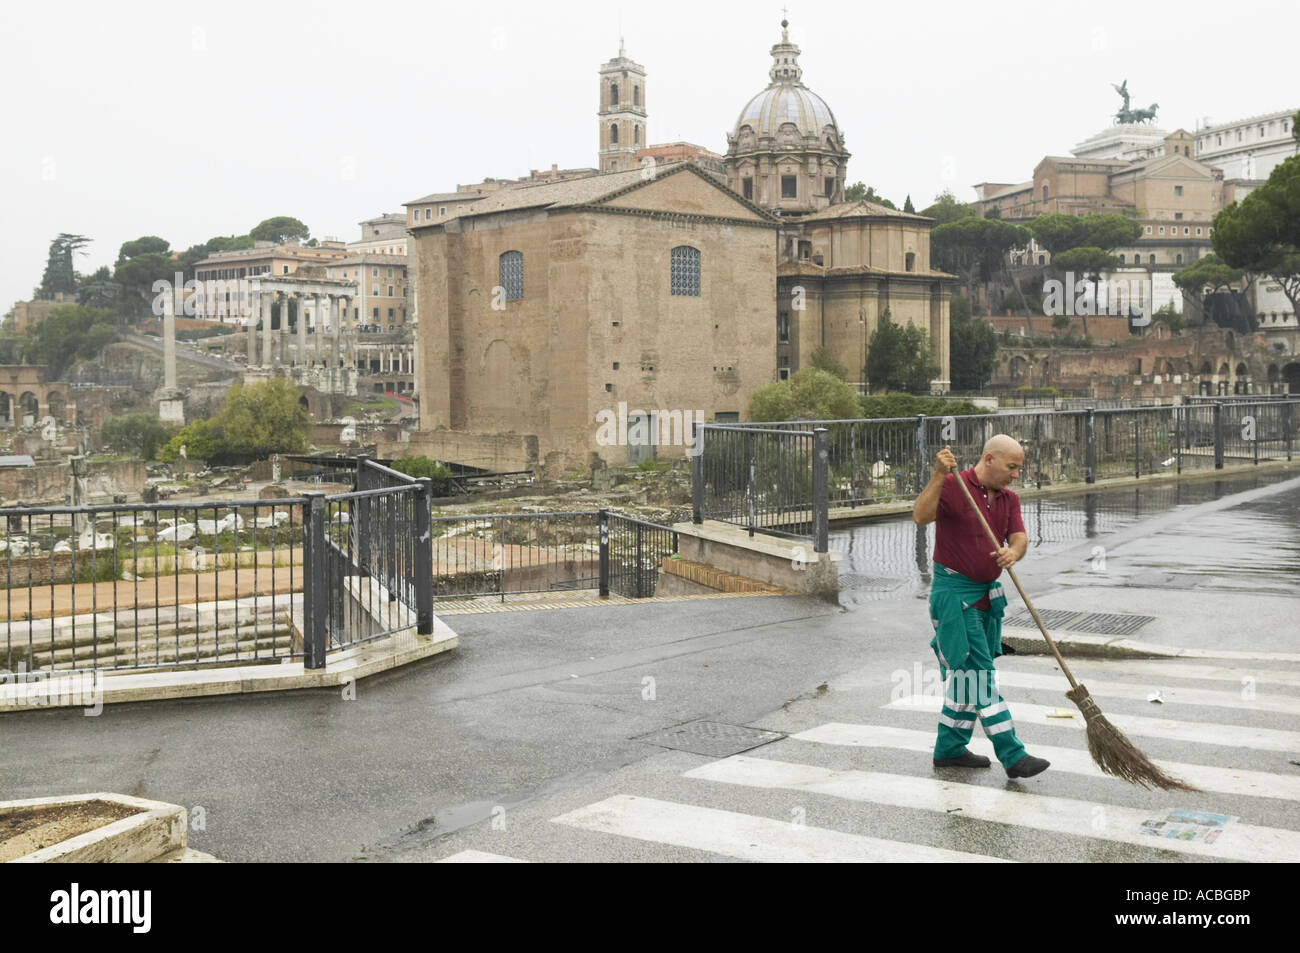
{"x":786,"y":100}
{"x":782,"y":103}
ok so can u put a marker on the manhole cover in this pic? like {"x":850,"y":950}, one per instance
{"x":712,"y":738}
{"x":1101,"y":623}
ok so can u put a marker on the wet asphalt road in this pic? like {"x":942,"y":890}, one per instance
{"x":536,"y":718}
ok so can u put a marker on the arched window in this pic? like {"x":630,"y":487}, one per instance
{"x":613,"y":94}
{"x":636,"y":135}
{"x":613,"y":133}
{"x":1121,"y":258}
{"x":636,"y":95}
{"x":512,"y":274}
{"x":911,"y":261}
{"x":1152,"y":259}
{"x":1178,"y":259}
{"x":685,"y":272}
{"x":1044,"y":193}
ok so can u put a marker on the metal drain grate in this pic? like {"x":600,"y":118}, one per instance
{"x":1101,"y":623}
{"x":1052,"y":618}
{"x":712,"y":738}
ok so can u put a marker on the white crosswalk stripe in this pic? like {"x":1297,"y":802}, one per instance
{"x":1040,"y":812}
{"x":1236,"y":736}
{"x":1172,"y":695}
{"x":696,"y":818}
{"x":746,"y":836}
{"x":1159,"y":669}
{"x":1072,"y":760}
{"x":480,"y":857}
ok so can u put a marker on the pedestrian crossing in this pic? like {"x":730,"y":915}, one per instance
{"x":1135,"y":726}
{"x":861,"y":773}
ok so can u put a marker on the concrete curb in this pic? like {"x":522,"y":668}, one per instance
{"x":72,"y":689}
{"x":1076,"y":645}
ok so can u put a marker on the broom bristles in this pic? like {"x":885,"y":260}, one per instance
{"x":1115,"y":754}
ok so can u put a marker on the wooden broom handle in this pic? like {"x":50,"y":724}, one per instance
{"x":961,"y":482}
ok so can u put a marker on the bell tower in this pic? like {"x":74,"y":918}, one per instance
{"x":621,"y":116}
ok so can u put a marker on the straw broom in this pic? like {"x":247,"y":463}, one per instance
{"x":1111,"y":751}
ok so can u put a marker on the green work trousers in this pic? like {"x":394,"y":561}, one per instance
{"x":971,"y":691}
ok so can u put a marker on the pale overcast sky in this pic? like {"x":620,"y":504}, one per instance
{"x":192,"y":120}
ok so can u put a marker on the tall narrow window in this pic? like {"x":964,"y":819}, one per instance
{"x":1044,"y":193}
{"x":830,"y":188}
{"x":789,"y":187}
{"x":613,"y":94}
{"x":512,"y":274}
{"x":910,"y":264}
{"x":685,"y":276}
{"x":747,"y":188}
{"x":613,"y":134}
{"x":783,"y":325}
{"x":636,"y":95}
{"x":636,"y":135}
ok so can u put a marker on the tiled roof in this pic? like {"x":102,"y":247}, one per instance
{"x":572,"y":192}
{"x":449,"y":197}
{"x":861,"y":209}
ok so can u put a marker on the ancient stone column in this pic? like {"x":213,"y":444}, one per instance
{"x":250,"y":327}
{"x":319,"y":314}
{"x":171,"y":408}
{"x":336,"y":322}
{"x":169,"y":341}
{"x":300,"y":353}
{"x":282,"y":339}
{"x":267,"y":300}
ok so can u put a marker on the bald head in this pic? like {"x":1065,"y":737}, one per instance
{"x":1000,"y":445}
{"x":1001,"y":461}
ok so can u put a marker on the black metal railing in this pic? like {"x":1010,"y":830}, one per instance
{"x":167,"y":585}
{"x":150,"y":585}
{"x":632,"y":553}
{"x":496,"y":555}
{"x":766,"y":478}
{"x":762,"y":475}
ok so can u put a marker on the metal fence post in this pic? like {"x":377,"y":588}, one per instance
{"x":820,"y":475}
{"x":423,"y":567}
{"x":1090,"y":448}
{"x":1287,"y":426}
{"x":1218,"y":436}
{"x":1180,"y":426}
{"x":361,"y":513}
{"x":921,"y":463}
{"x":749,"y":443}
{"x":697,"y":474}
{"x":1038,"y":449}
{"x":314,"y":619}
{"x":1137,"y":446}
{"x":853,"y":465}
{"x":640,"y":593}
{"x":602,"y":519}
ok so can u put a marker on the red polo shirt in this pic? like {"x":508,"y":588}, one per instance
{"x":960,"y":542}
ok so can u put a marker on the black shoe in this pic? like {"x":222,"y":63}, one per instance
{"x":1027,"y":767}
{"x":963,"y":760}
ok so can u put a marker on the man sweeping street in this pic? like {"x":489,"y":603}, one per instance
{"x":967,"y":602}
